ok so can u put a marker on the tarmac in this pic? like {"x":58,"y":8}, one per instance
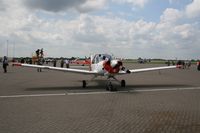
{"x":166,"y":101}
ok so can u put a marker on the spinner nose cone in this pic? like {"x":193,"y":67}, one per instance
{"x":116,"y":63}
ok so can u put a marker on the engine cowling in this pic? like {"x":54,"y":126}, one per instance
{"x":112,"y":66}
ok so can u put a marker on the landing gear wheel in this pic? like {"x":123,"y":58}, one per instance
{"x":84,"y":83}
{"x":123,"y":83}
{"x":110,"y":87}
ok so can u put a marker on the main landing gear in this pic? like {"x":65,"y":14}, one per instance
{"x":109,"y":85}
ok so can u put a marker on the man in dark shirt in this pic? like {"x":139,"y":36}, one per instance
{"x":5,"y":64}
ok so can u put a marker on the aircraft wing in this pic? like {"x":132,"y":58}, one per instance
{"x":56,"y":68}
{"x":149,"y":69}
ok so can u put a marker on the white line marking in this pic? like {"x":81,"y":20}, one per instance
{"x":168,"y":89}
{"x":131,"y":91}
{"x":33,"y":95}
{"x":101,"y":92}
{"x":89,"y":93}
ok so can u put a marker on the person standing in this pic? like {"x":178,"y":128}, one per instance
{"x":168,"y":62}
{"x":54,"y":62}
{"x":189,"y":64}
{"x":198,"y":65}
{"x":5,"y":64}
{"x":41,"y":53}
{"x":62,"y":63}
{"x":67,"y":63}
{"x":173,"y":63}
{"x":37,"y":53}
{"x":39,"y":63}
{"x":22,"y":60}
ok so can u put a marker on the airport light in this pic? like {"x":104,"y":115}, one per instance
{"x":13,"y":49}
{"x":7,"y":49}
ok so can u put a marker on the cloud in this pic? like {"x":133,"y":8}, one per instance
{"x":99,"y":34}
{"x":171,"y":15}
{"x":174,"y":1}
{"x":64,"y":5}
{"x":91,"y":5}
{"x":2,"y":6}
{"x":193,"y":10}
{"x":137,"y":3}
{"x":86,"y":33}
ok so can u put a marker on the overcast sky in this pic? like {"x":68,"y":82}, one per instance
{"x":125,"y":28}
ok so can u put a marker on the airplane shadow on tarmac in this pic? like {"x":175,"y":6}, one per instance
{"x":101,"y":86}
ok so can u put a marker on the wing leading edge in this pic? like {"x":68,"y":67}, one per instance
{"x":149,"y":69}
{"x":57,"y":68}
{"x":87,"y":72}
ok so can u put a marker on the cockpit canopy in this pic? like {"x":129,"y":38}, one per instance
{"x":100,"y":57}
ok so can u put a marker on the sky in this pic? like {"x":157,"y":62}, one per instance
{"x":166,"y":29}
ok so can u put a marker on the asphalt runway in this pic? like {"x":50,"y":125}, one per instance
{"x":161,"y":101}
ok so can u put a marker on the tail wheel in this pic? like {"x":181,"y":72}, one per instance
{"x":123,"y":83}
{"x":84,"y":83}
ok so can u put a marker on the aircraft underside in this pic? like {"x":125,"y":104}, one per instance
{"x":108,"y":83}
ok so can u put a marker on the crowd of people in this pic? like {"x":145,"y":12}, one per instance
{"x":184,"y":64}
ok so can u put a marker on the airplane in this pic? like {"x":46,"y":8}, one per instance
{"x":78,"y":61}
{"x":102,"y":65}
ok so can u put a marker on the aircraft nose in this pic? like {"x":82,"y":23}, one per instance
{"x":113,"y":66}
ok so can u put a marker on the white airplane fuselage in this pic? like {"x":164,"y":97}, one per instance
{"x":99,"y":68}
{"x":104,"y":65}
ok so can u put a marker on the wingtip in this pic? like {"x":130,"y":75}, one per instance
{"x":178,"y":66}
{"x":128,"y":71}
